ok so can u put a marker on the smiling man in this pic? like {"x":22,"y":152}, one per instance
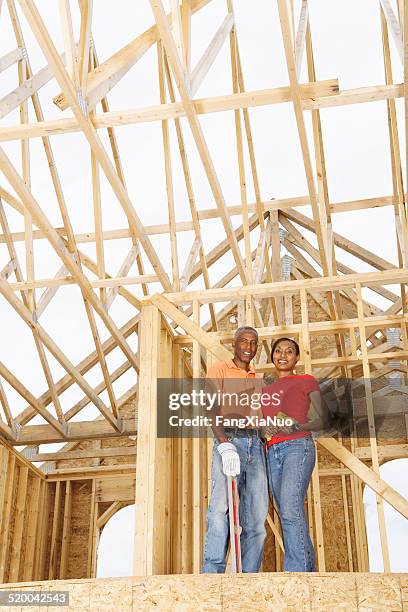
{"x":237,"y":452}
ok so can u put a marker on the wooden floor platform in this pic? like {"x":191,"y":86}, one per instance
{"x":246,"y":592}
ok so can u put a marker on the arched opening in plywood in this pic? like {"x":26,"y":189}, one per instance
{"x":115,"y":550}
{"x":394,"y":473}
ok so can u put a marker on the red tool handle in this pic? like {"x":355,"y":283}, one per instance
{"x":237,"y":529}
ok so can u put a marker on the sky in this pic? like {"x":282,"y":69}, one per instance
{"x":347,"y":46}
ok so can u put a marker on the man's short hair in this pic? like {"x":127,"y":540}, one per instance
{"x":245,"y":328}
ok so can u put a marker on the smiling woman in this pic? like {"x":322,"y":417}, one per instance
{"x":291,"y":452}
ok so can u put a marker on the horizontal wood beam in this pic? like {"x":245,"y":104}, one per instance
{"x":102,"y":471}
{"x":267,"y":290}
{"x":81,"y":430}
{"x":312,"y":99}
{"x":69,"y":280}
{"x":315,"y":327}
{"x":205,"y":214}
{"x":160,"y":112}
{"x":122,"y":451}
{"x":391,"y":451}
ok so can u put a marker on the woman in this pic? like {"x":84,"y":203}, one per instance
{"x":291,"y":450}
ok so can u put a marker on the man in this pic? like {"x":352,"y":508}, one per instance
{"x":237,"y":452}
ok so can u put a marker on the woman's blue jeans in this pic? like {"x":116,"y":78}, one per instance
{"x":253,"y":507}
{"x":290,"y":466}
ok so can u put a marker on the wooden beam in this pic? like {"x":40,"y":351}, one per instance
{"x":266,"y":290}
{"x":186,"y":26}
{"x":122,"y":451}
{"x":32,"y":85}
{"x":319,"y":217}
{"x":118,"y":166}
{"x":69,"y":43}
{"x":177,"y":29}
{"x":168,"y":164}
{"x":19,"y":516}
{"x":86,"y":7}
{"x":394,"y":27}
{"x":190,"y":261}
{"x":56,"y":519}
{"x":111,"y":281}
{"x":404,"y":18}
{"x":10,"y":58}
{"x":66,"y":530}
{"x":109,"y":512}
{"x":366,"y":475}
{"x":144,"y":562}
{"x":97,"y":209}
{"x":113,"y":416}
{"x":49,"y":293}
{"x":204,"y":214}
{"x":314,"y":95}
{"x":122,"y":272}
{"x":210,"y":54}
{"x":188,"y":181}
{"x":81,"y":430}
{"x":5,"y":514}
{"x":301,"y":36}
{"x":32,"y":519}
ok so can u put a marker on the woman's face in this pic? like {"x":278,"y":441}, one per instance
{"x":284,"y":356}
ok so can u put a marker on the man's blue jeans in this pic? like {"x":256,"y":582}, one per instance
{"x":290,"y":466}
{"x":253,"y":507}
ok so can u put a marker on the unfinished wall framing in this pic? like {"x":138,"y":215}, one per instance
{"x":297,"y":281}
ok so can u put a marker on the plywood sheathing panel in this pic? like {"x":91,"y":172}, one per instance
{"x":379,"y":592}
{"x":79,"y":533}
{"x":220,"y":593}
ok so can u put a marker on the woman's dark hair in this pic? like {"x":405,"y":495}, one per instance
{"x":275,"y":344}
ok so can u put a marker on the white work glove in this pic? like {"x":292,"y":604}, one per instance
{"x":230,"y":459}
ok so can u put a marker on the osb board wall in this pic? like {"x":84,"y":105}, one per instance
{"x":230,"y":593}
{"x":21,"y":489}
{"x":107,"y":491}
{"x":79,"y":532}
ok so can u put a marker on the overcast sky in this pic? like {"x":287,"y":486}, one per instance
{"x":347,"y":46}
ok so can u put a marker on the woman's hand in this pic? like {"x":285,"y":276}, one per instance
{"x":270,"y":430}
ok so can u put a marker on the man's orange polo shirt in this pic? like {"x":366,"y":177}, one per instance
{"x":228,"y":370}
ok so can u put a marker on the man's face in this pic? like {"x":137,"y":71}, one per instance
{"x":245,"y":346}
